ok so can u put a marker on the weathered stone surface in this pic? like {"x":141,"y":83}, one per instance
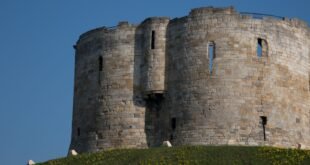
{"x":138,"y":85}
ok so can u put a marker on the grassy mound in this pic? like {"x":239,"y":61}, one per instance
{"x":190,"y":155}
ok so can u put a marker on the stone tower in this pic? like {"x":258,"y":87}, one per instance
{"x":214,"y":77}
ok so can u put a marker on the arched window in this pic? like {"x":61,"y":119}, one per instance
{"x":211,"y":54}
{"x":262,"y":48}
{"x":100,"y":60}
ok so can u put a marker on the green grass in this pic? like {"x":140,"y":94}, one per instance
{"x":190,"y":155}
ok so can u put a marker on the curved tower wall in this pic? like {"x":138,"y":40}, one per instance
{"x":105,"y":111}
{"x":154,"y":51}
{"x":153,"y":48}
{"x":140,"y":95}
{"x":227,"y":105}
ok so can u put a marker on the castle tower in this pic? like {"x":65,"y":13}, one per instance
{"x":105,"y":114}
{"x":153,"y":47}
{"x":215,"y":76}
{"x":115,"y":70}
{"x":238,"y":79}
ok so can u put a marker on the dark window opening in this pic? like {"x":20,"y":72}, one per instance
{"x":262,"y":48}
{"x":78,"y":131}
{"x":309,"y":81}
{"x":259,"y":50}
{"x":100,"y":135}
{"x":211,"y":55}
{"x":153,"y":40}
{"x":171,"y":137}
{"x":155,"y":97}
{"x":100,"y":63}
{"x":264,"y":123}
{"x":154,"y":102}
{"x":173,"y":123}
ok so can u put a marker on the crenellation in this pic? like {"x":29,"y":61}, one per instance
{"x":210,"y":78}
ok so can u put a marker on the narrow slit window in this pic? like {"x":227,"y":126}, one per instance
{"x":78,"y":131}
{"x":211,"y":55}
{"x":100,"y":63}
{"x":259,"y":50}
{"x":309,"y":81}
{"x":264,"y":123}
{"x":173,"y":123}
{"x":153,"y":40}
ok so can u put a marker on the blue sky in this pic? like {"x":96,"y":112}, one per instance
{"x":37,"y":61}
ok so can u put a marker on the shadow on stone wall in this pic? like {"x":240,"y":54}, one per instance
{"x":152,"y":103}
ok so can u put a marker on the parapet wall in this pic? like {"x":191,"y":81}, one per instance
{"x":213,"y":77}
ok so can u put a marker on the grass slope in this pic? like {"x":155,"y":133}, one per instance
{"x":190,"y":155}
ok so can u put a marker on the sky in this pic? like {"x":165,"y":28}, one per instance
{"x":37,"y":61}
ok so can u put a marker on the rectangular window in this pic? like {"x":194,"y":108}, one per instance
{"x":264,"y":123}
{"x":259,"y":49}
{"x":153,"y":40}
{"x":262,"y":48}
{"x":100,"y":63}
{"x":211,"y":55}
{"x":309,"y":81}
{"x":78,"y":131}
{"x":171,"y":137}
{"x":173,"y":123}
{"x":100,"y":66}
{"x":100,"y":135}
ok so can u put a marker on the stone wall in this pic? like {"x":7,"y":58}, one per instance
{"x":105,"y":111}
{"x":136,"y":86}
{"x":225,"y":105}
{"x":153,"y":48}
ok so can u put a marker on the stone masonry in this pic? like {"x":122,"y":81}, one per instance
{"x":214,"y":77}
